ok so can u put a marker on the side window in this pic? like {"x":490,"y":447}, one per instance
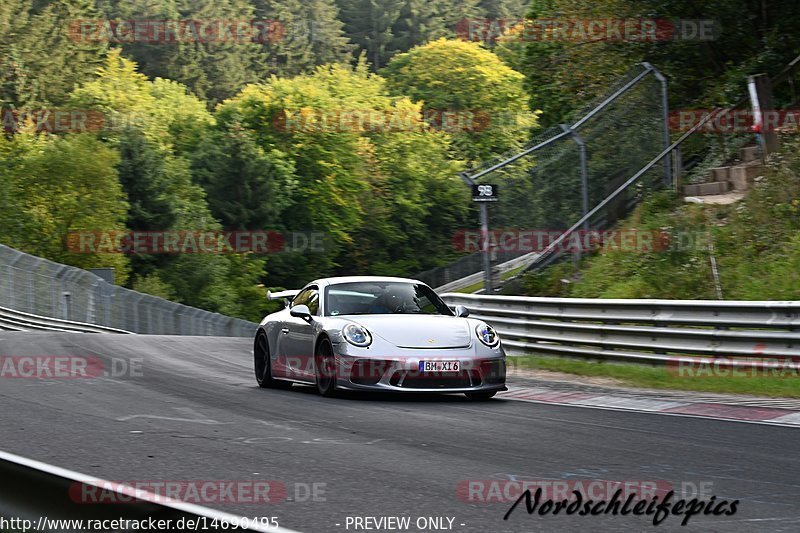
{"x":301,"y":298}
{"x":313,"y":302}
{"x":309,"y":297}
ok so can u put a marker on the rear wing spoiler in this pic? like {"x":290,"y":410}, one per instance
{"x":282,"y":294}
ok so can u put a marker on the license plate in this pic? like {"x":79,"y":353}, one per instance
{"x":439,"y":366}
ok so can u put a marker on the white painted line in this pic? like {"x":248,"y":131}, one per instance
{"x":142,"y":495}
{"x":792,"y":419}
{"x":773,"y":422}
{"x":635,"y":404}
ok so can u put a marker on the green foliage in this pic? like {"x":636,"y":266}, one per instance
{"x":142,"y":173}
{"x":52,"y":186}
{"x":756,"y":246}
{"x":163,"y":110}
{"x":312,"y":35}
{"x":751,"y":37}
{"x":369,"y":25}
{"x":40,"y":60}
{"x":213,"y":69}
{"x":247,"y":187}
{"x":153,"y":284}
{"x":463,"y":76}
{"x":387,"y":199}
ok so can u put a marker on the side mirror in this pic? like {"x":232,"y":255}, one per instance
{"x":461,"y":311}
{"x":301,"y":311}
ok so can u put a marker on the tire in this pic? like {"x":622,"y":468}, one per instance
{"x":262,"y":366}
{"x":481,"y":396}
{"x":325,"y":369}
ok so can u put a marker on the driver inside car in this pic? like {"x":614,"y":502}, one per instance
{"x":391,"y":301}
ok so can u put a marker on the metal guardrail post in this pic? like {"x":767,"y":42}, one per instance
{"x":56,"y":296}
{"x":136,"y":322}
{"x":12,"y":300}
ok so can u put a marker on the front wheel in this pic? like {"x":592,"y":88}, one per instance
{"x":325,"y":365}
{"x":263,"y":366}
{"x":480,"y":396}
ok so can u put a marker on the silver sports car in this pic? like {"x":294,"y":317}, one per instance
{"x":379,"y":334}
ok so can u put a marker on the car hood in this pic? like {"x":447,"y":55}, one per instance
{"x":418,"y":331}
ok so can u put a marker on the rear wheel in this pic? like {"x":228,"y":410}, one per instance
{"x":325,"y":365}
{"x":263,"y":366}
{"x":480,"y":396}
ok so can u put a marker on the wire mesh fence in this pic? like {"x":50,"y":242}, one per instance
{"x":566,"y":170}
{"x":41,"y":287}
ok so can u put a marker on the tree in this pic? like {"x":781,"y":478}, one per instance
{"x":309,"y":34}
{"x":55,"y":186}
{"x":750,"y":37}
{"x":214,"y":67}
{"x":163,"y":110}
{"x":142,"y":173}
{"x":247,"y":187}
{"x":40,"y":59}
{"x":157,"y":126}
{"x":389,"y":200}
{"x":369,"y":25}
{"x":465,"y":77}
{"x":418,"y":22}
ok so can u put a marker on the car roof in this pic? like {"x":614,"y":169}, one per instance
{"x":356,"y":279}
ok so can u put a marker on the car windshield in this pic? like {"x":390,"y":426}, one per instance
{"x":380,"y":298}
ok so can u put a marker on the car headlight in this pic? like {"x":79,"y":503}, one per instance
{"x":357,"y":335}
{"x":487,"y":335}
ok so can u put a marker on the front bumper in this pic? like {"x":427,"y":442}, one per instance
{"x":481,"y":370}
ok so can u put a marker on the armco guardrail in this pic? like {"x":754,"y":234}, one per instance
{"x":19,"y":321}
{"x":34,"y":496}
{"x":643,"y":331}
{"x":36,"y":286}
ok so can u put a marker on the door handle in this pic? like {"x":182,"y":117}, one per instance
{"x":285,"y":331}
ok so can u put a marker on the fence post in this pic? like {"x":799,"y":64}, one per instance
{"x":760,"y":88}
{"x":668,"y":176}
{"x":487,"y":260}
{"x":12,"y":268}
{"x":584,"y":172}
{"x":584,"y":180}
{"x":677,"y":169}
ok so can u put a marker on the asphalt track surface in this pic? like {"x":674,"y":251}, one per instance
{"x":195,"y":413}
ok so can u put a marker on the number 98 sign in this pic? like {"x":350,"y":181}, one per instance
{"x":484,"y":192}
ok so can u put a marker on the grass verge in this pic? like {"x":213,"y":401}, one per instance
{"x":786,"y":384}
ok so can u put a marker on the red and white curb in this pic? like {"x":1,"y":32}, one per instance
{"x":698,"y":409}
